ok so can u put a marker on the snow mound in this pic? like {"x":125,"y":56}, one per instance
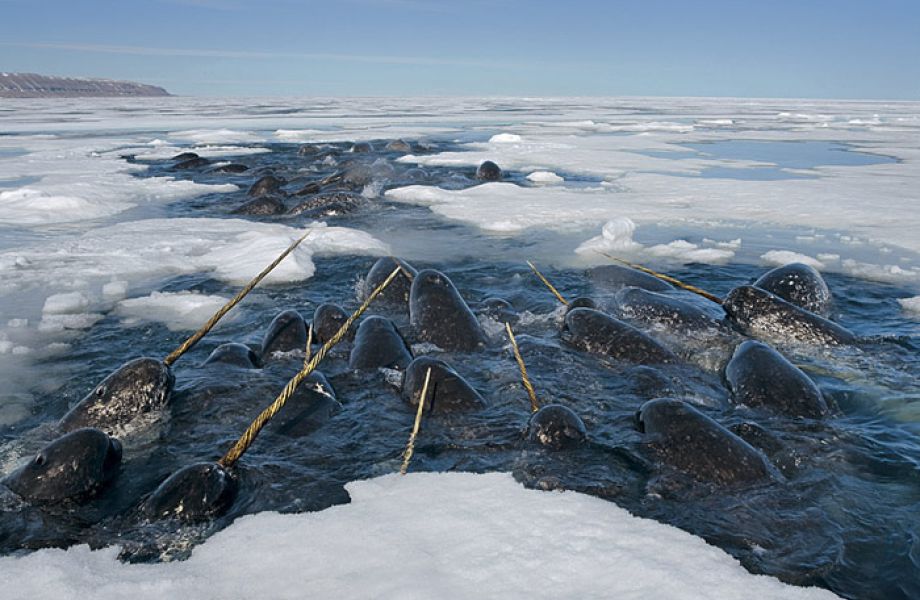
{"x":617,"y":238}
{"x":177,"y":310}
{"x":504,"y":138}
{"x":426,"y":535}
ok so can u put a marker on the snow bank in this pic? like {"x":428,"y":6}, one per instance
{"x":426,"y":535}
{"x":177,"y":310}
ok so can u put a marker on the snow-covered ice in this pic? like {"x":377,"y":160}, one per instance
{"x":425,"y":535}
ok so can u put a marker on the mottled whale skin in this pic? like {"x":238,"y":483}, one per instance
{"x":265,"y":185}
{"x":499,"y":310}
{"x":198,"y":492}
{"x":689,"y":441}
{"x":652,"y":308}
{"x":439,"y":315}
{"x":556,"y":427}
{"x":448,"y":391}
{"x":378,"y":344}
{"x":234,"y":354}
{"x":614,"y":277}
{"x":73,"y":467}
{"x":599,"y":333}
{"x":287,"y":332}
{"x":763,"y":315}
{"x":399,"y":146}
{"x":328,"y":318}
{"x":327,"y":204}
{"x":262,"y":206}
{"x":134,"y":394}
{"x":798,"y":284}
{"x":488,"y":171}
{"x":760,"y":377}
{"x":311,"y":406}
{"x":397,"y":293}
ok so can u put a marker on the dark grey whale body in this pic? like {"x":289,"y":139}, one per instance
{"x":287,"y":332}
{"x":599,"y":333}
{"x":556,"y":427}
{"x":234,"y":354}
{"x":439,"y":315}
{"x":73,"y":467}
{"x":328,"y":318}
{"x":760,"y":377}
{"x":378,"y":344}
{"x":686,"y":439}
{"x":798,"y":284}
{"x":489,"y":171}
{"x":763,"y":315}
{"x":397,"y":293}
{"x":197,"y":492}
{"x":652,"y":308}
{"x":614,"y":277}
{"x":134,"y":393}
{"x":261,"y":206}
{"x":267,"y":184}
{"x":447,"y":392}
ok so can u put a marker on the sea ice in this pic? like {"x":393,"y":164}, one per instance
{"x":177,"y":310}
{"x":425,"y":535}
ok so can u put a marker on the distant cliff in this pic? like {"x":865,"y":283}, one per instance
{"x":30,"y":85}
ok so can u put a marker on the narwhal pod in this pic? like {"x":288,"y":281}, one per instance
{"x":287,"y":331}
{"x":439,"y":315}
{"x":684,"y":438}
{"x":197,"y":492}
{"x":447,"y":391}
{"x":378,"y":344}
{"x":556,"y":427}
{"x":760,"y":377}
{"x":798,"y":284}
{"x":599,"y":333}
{"x":73,"y":467}
{"x":133,"y":395}
{"x":397,"y":293}
{"x":763,"y":315}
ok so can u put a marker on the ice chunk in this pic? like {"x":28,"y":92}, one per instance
{"x":70,"y":302}
{"x":784,"y":257}
{"x":177,"y":310}
{"x":504,"y":138}
{"x":545,"y":177}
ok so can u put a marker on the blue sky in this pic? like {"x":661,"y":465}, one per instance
{"x":807,"y":48}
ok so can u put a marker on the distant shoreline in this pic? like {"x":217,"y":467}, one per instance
{"x":32,"y":85}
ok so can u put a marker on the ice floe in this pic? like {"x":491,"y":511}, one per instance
{"x":425,"y":535}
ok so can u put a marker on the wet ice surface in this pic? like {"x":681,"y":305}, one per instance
{"x":121,"y":266}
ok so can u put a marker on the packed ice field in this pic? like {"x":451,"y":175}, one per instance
{"x":88,"y":234}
